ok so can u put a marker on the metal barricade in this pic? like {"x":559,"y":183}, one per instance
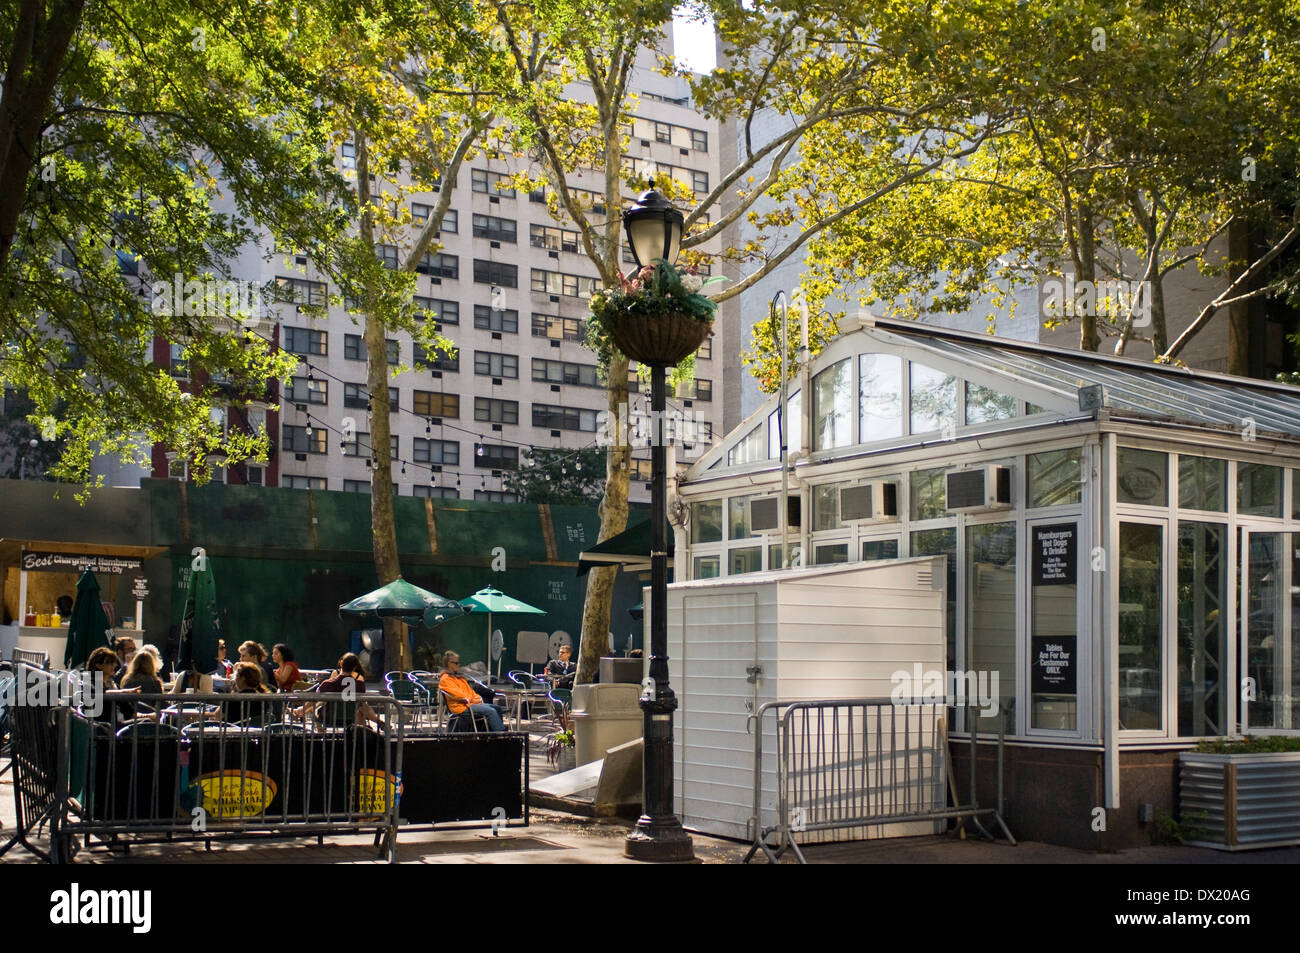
{"x":861,"y":763}
{"x":204,"y":766}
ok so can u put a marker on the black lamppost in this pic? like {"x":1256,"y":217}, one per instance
{"x":654,"y":230}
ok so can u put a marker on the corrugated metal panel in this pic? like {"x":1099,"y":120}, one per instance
{"x":1238,"y":802}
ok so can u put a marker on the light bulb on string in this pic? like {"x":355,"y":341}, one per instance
{"x":403,"y":468}
{"x":479,"y":450}
{"x":428,"y":425}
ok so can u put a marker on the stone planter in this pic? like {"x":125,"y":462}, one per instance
{"x":566,"y":759}
{"x":1240,"y":801}
{"x":664,"y":339}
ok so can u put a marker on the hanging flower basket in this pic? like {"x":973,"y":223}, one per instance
{"x":666,"y":339}
{"x":658,"y":317}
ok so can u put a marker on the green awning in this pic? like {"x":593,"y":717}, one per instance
{"x":629,"y":549}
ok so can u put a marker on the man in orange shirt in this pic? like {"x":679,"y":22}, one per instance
{"x":460,"y":696}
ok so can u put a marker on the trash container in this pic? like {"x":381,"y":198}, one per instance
{"x":604,"y":716}
{"x":616,"y":669}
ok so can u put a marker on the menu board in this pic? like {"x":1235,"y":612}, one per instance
{"x":1055,"y":554}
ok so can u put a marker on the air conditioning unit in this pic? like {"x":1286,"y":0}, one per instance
{"x":979,"y":489}
{"x":765,"y":517}
{"x":873,"y":502}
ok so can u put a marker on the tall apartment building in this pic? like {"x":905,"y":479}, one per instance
{"x":522,"y":376}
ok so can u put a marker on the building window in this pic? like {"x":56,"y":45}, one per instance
{"x":439,"y":265}
{"x":985,"y":405}
{"x":699,"y":140}
{"x":356,"y":486}
{"x":450,"y":220}
{"x":1203,"y":484}
{"x":706,"y":522}
{"x":929,"y":494}
{"x":1143,"y":476}
{"x":354,"y":349}
{"x":291,"y":482}
{"x":178,"y":366}
{"x":491,"y":410}
{"x":559,"y":283}
{"x":880,"y":404}
{"x":388,"y":255}
{"x":1259,"y":490}
{"x":700,"y":182}
{"x":349,"y":150}
{"x":302,"y":291}
{"x":490,"y":183}
{"x":564,"y":372}
{"x":553,"y":417}
{"x":705,"y":351}
{"x":496,"y":457}
{"x":438,"y":452}
{"x":933,"y":400}
{"x":354,"y":396}
{"x":305,"y":390}
{"x":487,"y":364}
{"x":495,"y":229}
{"x":833,"y":407}
{"x":641,"y":469}
{"x":295,"y":439}
{"x":943,"y":542}
{"x":436,"y":360}
{"x":1202,"y":630}
{"x":553,"y":239}
{"x":254,"y":475}
{"x":749,"y":449}
{"x":435,"y":492}
{"x":697,"y":388}
{"x":491,"y":319}
{"x":557,"y":328}
{"x":305,"y":341}
{"x":1054,"y":478}
{"x":1141,"y":593}
{"x":663,"y":132}
{"x":496,"y":496}
{"x":496,"y":273}
{"x":438,"y":310}
{"x":432,"y":404}
{"x":991,"y":614}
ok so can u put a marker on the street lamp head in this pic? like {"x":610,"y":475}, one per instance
{"x":654,"y":228}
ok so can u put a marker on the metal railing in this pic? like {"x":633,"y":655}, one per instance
{"x":859,"y":764}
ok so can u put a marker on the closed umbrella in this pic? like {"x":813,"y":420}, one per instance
{"x":88,"y":628}
{"x":200,"y":622}
{"x":494,"y":601}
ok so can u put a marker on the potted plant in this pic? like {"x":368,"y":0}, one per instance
{"x":560,"y":751}
{"x":1244,"y":793}
{"x":657,"y":315}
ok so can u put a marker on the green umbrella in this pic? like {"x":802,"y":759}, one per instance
{"x":200,"y":622}
{"x":88,"y":628}
{"x":403,"y":601}
{"x":491,"y":601}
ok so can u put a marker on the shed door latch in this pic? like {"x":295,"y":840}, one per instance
{"x":753,"y":671}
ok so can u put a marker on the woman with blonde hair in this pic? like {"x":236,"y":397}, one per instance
{"x":142,"y":673}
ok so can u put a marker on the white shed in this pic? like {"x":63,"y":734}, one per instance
{"x":737,"y":642}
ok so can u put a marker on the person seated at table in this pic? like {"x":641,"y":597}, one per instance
{"x":116,"y":708}
{"x":461,"y":697}
{"x":248,"y":681}
{"x":124,"y":647}
{"x":63,"y":606}
{"x":142,"y":674}
{"x":225,"y":668}
{"x":560,"y":670}
{"x":348,"y":677}
{"x":287,"y":673}
{"x":248,"y":678}
{"x":251,"y":651}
